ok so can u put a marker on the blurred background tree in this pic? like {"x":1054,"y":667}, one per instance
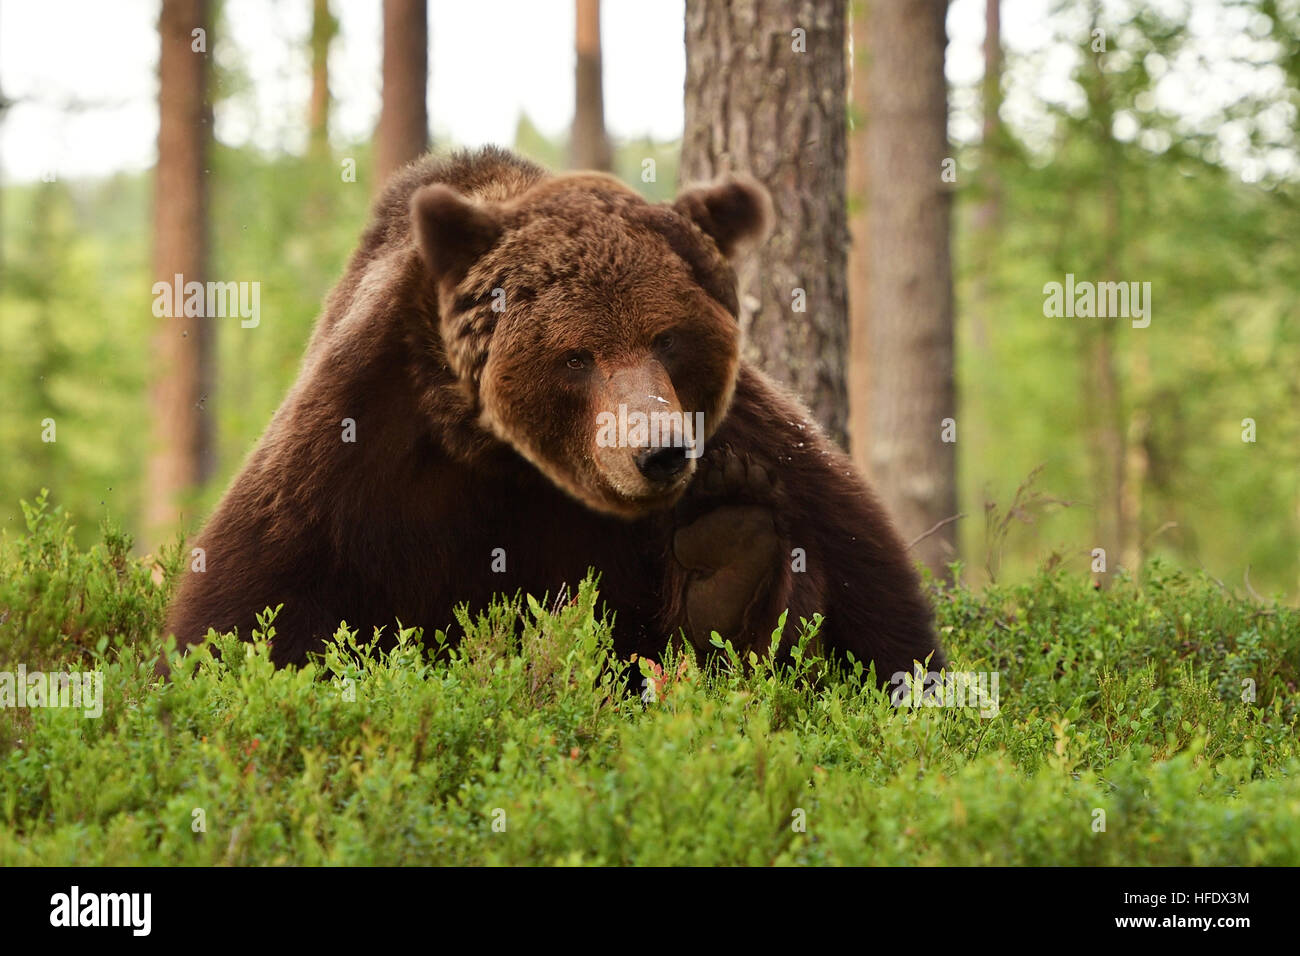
{"x":182,"y":456}
{"x":589,"y":144}
{"x":403,"y":132}
{"x":324,"y":27}
{"x":909,"y":175}
{"x":858,"y":366}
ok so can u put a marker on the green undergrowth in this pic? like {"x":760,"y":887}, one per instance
{"x":1152,"y":722}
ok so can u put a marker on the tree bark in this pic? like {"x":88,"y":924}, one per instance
{"x":589,"y":144}
{"x":765,"y":94}
{"x":184,"y":347}
{"x":859,"y":377}
{"x":324,"y":27}
{"x":403,"y":131}
{"x":911,"y":299}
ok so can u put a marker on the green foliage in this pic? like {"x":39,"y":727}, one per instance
{"x":527,"y":743}
{"x":74,"y":296}
{"x":59,"y":603}
{"x":1117,"y":185}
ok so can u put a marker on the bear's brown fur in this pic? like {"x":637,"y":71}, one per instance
{"x":491,"y":312}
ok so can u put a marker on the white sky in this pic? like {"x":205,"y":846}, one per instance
{"x":491,"y":60}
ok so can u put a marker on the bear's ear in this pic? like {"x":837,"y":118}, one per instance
{"x":736,"y":212}
{"x":452,"y":232}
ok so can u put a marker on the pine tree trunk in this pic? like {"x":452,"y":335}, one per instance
{"x":589,"y":146}
{"x":403,"y":131}
{"x":859,"y":251}
{"x":989,"y":214}
{"x":184,"y":347}
{"x":1114,"y":526}
{"x":987,"y":221}
{"x":324,"y":27}
{"x":754,"y":104}
{"x":911,"y":299}
{"x":4,"y":105}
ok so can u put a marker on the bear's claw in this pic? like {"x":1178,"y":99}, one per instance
{"x":724,"y":473}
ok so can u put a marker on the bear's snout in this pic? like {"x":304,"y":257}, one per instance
{"x":644,"y":439}
{"x":661,"y":465}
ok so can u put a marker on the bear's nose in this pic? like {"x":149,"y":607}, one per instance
{"x":661,"y":465}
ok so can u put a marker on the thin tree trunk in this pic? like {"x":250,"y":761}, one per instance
{"x":4,"y":106}
{"x":51,"y":359}
{"x":1137,"y":463}
{"x":184,"y":347}
{"x":989,"y":213}
{"x":324,"y":27}
{"x":1104,"y":397}
{"x":403,"y":131}
{"x":765,"y":94}
{"x":589,"y":144}
{"x":1137,"y":458}
{"x":1107,"y":438}
{"x":987,"y":220}
{"x":912,"y":389}
{"x":859,"y":251}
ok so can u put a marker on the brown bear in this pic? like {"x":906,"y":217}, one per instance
{"x":459,"y":429}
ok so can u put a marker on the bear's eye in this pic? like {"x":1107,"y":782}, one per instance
{"x":665,"y":341}
{"x":578,"y":360}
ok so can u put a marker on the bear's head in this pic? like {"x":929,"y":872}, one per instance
{"x":592,"y":331}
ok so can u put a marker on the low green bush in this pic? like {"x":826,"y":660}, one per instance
{"x":1153,"y":722}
